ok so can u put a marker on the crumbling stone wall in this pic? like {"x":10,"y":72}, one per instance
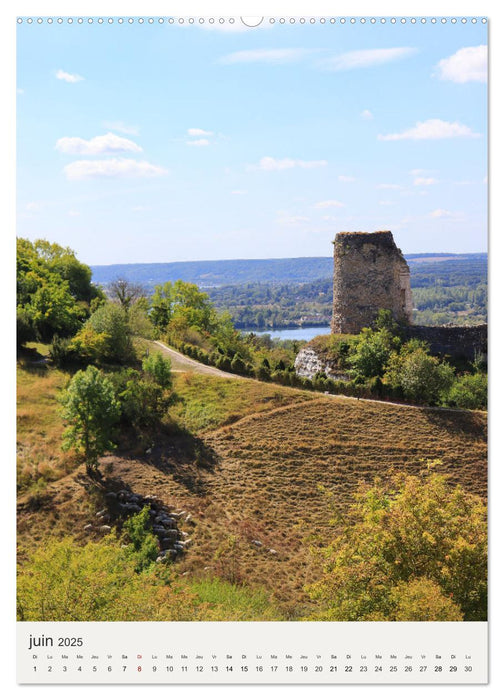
{"x":370,"y":273}
{"x":460,"y":342}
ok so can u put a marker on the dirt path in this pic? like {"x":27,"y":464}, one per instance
{"x":181,"y":363}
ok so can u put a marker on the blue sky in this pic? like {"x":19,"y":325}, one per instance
{"x":156,"y":143}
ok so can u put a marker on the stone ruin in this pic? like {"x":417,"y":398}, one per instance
{"x":370,"y":273}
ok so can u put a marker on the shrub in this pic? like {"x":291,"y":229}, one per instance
{"x":394,"y":538}
{"x":263,"y":373}
{"x":25,"y":326}
{"x":468,"y":391}
{"x":110,"y":323}
{"x":143,"y":403}
{"x":372,"y":352}
{"x":143,"y":544}
{"x":159,"y":369}
{"x":421,"y":377}
{"x":90,"y":346}
{"x":62,"y":352}
{"x":421,"y":599}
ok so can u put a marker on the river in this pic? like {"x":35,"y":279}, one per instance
{"x":292,"y":333}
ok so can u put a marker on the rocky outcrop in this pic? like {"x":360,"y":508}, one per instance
{"x":308,"y":362}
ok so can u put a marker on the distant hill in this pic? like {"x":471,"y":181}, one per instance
{"x":215,"y":273}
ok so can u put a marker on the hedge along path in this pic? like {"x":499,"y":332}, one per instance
{"x":181,"y":363}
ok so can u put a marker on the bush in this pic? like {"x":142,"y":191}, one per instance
{"x":263,"y":373}
{"x":90,"y":346}
{"x":159,"y":369}
{"x":62,"y":352}
{"x":421,"y":599}
{"x":110,"y":325}
{"x":372,"y":352}
{"x":376,"y":386}
{"x":468,"y":391}
{"x":143,"y":402}
{"x":25,"y":327}
{"x":143,"y":544}
{"x":238,"y":365}
{"x":421,"y":377}
{"x":393,"y":539}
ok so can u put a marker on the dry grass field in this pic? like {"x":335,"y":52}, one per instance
{"x":258,"y":469}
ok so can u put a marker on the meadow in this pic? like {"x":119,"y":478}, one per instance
{"x":259,"y":471}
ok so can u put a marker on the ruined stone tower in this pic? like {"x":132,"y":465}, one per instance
{"x":370,"y":273}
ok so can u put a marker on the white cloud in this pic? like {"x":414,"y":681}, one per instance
{"x":385,"y":203}
{"x":366,"y":114}
{"x":275,"y":56}
{"x":140,"y":207}
{"x":122,"y":127}
{"x":198,"y":142}
{"x":108,"y":144}
{"x":68,"y":77}
{"x":239,"y":192}
{"x":199,"y":132}
{"x":346,"y":178}
{"x":465,"y":65}
{"x":74,"y":212}
{"x":33,"y":206}
{"x":446,"y":214}
{"x":432,"y":129}
{"x":270,"y":164}
{"x":387,"y":186}
{"x":425,"y":181}
{"x":20,"y":91}
{"x":328,"y":203}
{"x":485,"y":180}
{"x":366,"y":58}
{"x":114,"y":167}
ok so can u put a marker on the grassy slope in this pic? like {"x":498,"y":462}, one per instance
{"x":252,"y":471}
{"x":39,"y":427}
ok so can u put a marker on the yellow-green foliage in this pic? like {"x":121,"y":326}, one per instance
{"x":399,"y":538}
{"x":102,"y":581}
{"x":421,"y":599}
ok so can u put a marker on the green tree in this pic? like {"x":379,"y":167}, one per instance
{"x":372,"y":352}
{"x":421,"y":376}
{"x":91,"y":410}
{"x":54,"y":291}
{"x":396,"y":536}
{"x":184,"y":304}
{"x":110,"y":322}
{"x":159,"y":368}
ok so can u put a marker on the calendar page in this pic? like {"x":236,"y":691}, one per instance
{"x":251,"y":349}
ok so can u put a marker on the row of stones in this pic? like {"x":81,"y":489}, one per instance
{"x":165,"y":524}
